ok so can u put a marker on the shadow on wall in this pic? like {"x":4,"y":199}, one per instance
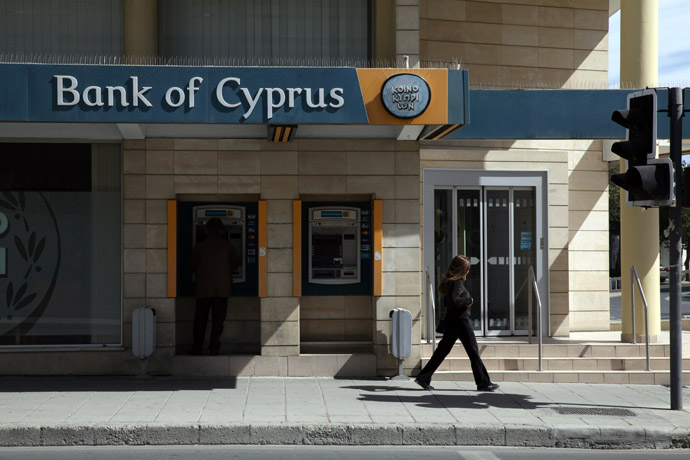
{"x":242,"y":329}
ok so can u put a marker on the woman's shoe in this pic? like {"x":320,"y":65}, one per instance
{"x":489,"y":387}
{"x":424,"y":385}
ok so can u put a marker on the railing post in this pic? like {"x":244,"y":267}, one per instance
{"x":636,"y":279}
{"x":532,"y":281}
{"x":431,"y":311}
{"x":633,"y":274}
{"x":529,"y":306}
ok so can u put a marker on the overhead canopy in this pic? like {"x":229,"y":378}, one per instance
{"x":140,"y":101}
{"x":554,"y":114}
{"x":134,"y":102}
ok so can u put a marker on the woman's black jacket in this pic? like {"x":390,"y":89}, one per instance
{"x":457,"y":301}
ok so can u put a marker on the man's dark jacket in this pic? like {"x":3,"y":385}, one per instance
{"x":213,"y":261}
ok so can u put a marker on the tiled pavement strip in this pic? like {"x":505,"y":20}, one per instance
{"x":252,"y":410}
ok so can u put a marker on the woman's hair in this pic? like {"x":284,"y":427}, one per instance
{"x":458,"y":268}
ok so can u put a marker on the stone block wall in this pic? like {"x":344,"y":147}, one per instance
{"x":532,"y":43}
{"x":565,"y":162}
{"x":588,"y":245}
{"x":157,"y":170}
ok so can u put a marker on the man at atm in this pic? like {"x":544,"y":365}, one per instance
{"x":213,"y":260}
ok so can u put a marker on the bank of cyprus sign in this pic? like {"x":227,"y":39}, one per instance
{"x":148,"y":94}
{"x":238,"y":95}
{"x":228,"y":93}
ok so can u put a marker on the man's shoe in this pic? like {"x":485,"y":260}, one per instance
{"x":489,"y":387}
{"x":424,"y":385}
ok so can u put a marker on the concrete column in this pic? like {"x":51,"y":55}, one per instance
{"x":140,"y":24}
{"x":384,"y":32}
{"x":407,"y":33}
{"x":639,"y":226}
{"x":280,"y":311}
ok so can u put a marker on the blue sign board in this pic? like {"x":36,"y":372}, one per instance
{"x":147,"y":94}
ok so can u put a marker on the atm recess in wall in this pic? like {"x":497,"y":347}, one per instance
{"x":240,"y":222}
{"x":335,"y":249}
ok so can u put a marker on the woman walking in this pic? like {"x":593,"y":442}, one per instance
{"x":458,"y":303}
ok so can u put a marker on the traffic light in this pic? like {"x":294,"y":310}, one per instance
{"x":648,"y":181}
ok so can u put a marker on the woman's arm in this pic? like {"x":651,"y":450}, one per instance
{"x":460,"y":297}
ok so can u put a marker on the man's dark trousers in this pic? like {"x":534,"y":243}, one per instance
{"x":218,"y":307}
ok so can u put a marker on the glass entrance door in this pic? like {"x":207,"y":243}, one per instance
{"x":496,"y":227}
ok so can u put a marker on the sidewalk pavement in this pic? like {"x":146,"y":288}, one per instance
{"x":251,"y":410}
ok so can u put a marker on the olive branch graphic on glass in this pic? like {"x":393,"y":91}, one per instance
{"x":29,"y":250}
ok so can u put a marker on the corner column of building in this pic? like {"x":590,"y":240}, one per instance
{"x":402,"y":276}
{"x":407,"y":32}
{"x":280,"y":311}
{"x":140,"y":27}
{"x":639,"y":226}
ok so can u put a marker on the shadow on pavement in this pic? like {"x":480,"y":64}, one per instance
{"x":106,"y":384}
{"x":471,"y":400}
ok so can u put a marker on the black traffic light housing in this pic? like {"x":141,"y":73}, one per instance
{"x":648,"y":181}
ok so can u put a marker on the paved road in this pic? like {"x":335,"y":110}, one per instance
{"x":328,"y":453}
{"x":665,"y":302}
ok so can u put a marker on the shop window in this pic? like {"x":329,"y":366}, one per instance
{"x":266,"y":32}
{"x":60,"y":244}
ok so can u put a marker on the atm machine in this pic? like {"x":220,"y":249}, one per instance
{"x":337,"y":249}
{"x":334,"y":235}
{"x":234,"y":221}
{"x":240,"y":222}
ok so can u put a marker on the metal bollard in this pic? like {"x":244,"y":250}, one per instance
{"x":143,"y":335}
{"x":401,"y":337}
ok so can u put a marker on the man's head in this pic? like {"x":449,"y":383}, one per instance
{"x":215,"y":226}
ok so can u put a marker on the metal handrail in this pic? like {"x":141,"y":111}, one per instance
{"x":431,"y":311}
{"x":533,"y":284}
{"x":635,"y":277}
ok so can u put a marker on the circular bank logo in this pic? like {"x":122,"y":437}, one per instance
{"x":406,"y":95}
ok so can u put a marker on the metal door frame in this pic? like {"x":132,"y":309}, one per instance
{"x":434,"y":179}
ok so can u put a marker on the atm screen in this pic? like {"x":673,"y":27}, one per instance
{"x":327,"y":251}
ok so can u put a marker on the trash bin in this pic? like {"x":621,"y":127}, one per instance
{"x":401,"y":337}
{"x":143,"y":334}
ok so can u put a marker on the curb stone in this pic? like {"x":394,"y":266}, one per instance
{"x":114,"y":435}
{"x":215,"y":434}
{"x":19,"y":436}
{"x":480,"y":435}
{"x":630,"y":437}
{"x":512,"y":435}
{"x":529,"y":436}
{"x":372,"y":435}
{"x":436,"y":435}
{"x":327,"y":435}
{"x":275,"y":434}
{"x":680,"y":437}
{"x":660,"y":437}
{"x":575,"y":436}
{"x":68,"y":435}
{"x":171,"y":434}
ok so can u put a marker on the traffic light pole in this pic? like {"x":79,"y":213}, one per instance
{"x":675,"y":113}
